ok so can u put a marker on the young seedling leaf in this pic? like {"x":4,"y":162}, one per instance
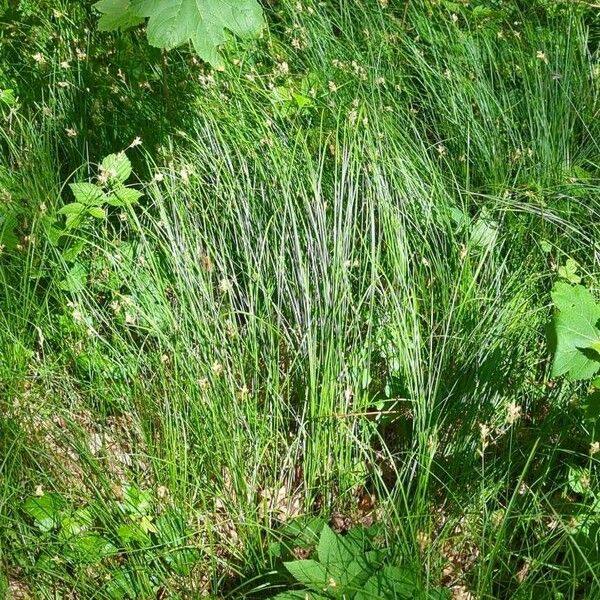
{"x":203,"y":22}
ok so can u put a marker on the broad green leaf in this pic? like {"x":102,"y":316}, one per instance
{"x":309,"y":572}
{"x":8,"y":226}
{"x":45,"y":510}
{"x":76,"y":279}
{"x":133,"y":533}
{"x":334,"y":549}
{"x":97,"y":212}
{"x":391,"y":582}
{"x":73,"y":208}
{"x":299,"y":595}
{"x":123,"y":196}
{"x":484,"y":233}
{"x":569,"y":271}
{"x":575,"y":331}
{"x":91,"y":548}
{"x":116,"y":15}
{"x":566,"y":296}
{"x":203,"y":22}
{"x":116,"y":167}
{"x":75,"y":524}
{"x":87,"y":193}
{"x":74,"y":250}
{"x":579,"y":480}
{"x":136,"y":501}
{"x":592,"y":406}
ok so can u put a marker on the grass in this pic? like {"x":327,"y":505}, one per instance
{"x":331,"y":300}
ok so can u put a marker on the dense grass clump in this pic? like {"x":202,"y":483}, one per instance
{"x":329,"y":300}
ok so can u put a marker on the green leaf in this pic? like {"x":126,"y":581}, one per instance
{"x":309,"y":572}
{"x":136,"y":501}
{"x":116,"y":15}
{"x":577,"y":479}
{"x":342,"y":558}
{"x":203,"y":22}
{"x":116,"y":167}
{"x":569,"y":271}
{"x":132,"y":533}
{"x":124,"y":196}
{"x":575,"y":332}
{"x":76,"y":279}
{"x":298,"y":595}
{"x":73,"y":251}
{"x":8,"y":226}
{"x":45,"y":510}
{"x":75,"y":524}
{"x":87,"y":193}
{"x":97,"y":212}
{"x":91,"y":548}
{"x":399,"y":583}
{"x":73,"y":208}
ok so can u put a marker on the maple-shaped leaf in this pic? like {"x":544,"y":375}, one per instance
{"x":116,"y":14}
{"x":203,"y":22}
{"x":575,"y":334}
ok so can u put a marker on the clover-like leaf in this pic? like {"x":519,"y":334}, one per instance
{"x":203,"y":22}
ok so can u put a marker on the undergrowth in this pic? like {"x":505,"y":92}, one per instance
{"x":323,"y":295}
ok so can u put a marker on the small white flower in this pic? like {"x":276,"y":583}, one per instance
{"x":225,"y":285}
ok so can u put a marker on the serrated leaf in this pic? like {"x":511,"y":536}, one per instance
{"x":87,"y":193}
{"x":309,"y":572}
{"x":575,"y":332}
{"x":203,"y":22}
{"x":123,"y":196}
{"x":116,"y":15}
{"x":342,"y":558}
{"x":391,"y":582}
{"x":116,"y":167}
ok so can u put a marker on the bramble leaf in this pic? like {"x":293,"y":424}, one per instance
{"x":87,"y":193}
{"x":309,"y":572}
{"x":116,"y":167}
{"x":203,"y":22}
{"x":124,"y":196}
